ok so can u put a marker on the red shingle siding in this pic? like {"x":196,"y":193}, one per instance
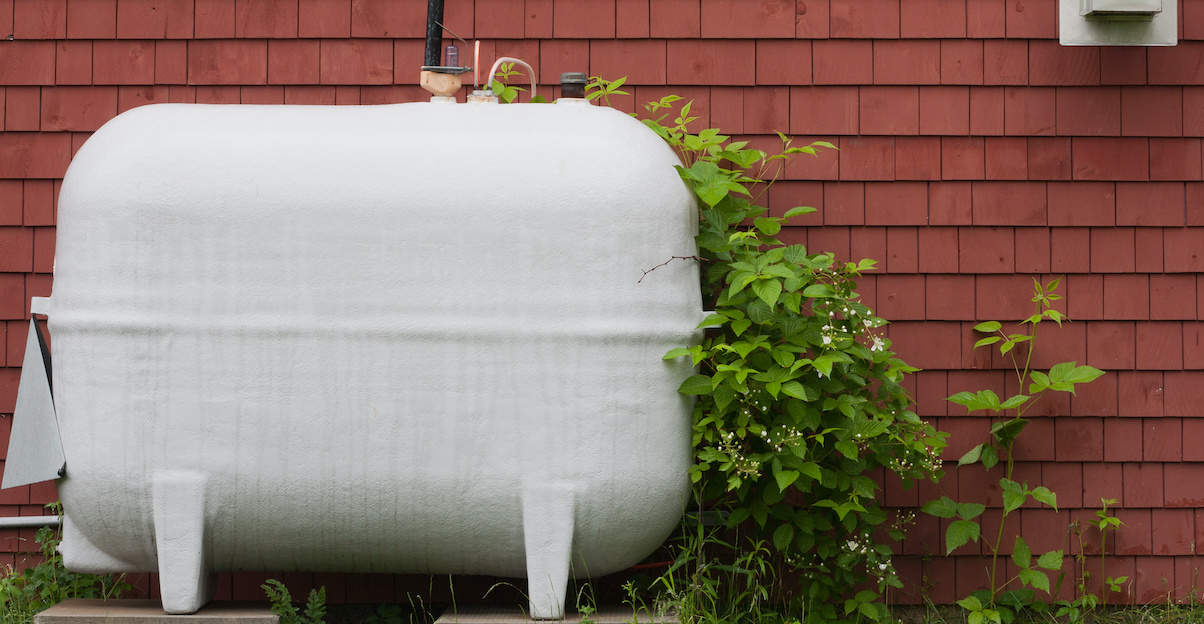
{"x":976,"y":153}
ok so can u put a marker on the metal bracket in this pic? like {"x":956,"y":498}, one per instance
{"x":35,"y":449}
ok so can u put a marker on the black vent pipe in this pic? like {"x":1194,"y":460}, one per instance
{"x":434,"y":33}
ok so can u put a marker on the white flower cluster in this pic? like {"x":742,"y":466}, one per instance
{"x":858,"y":547}
{"x":934,"y":459}
{"x":829,"y":332}
{"x":844,"y":322}
{"x":731,"y":446}
{"x":931,"y":462}
{"x":884,"y":568}
{"x":789,"y":437}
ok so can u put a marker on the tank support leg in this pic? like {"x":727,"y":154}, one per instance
{"x":548,"y":512}
{"x":179,"y":512}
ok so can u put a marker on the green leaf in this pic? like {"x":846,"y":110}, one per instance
{"x":675,"y":353}
{"x":724,"y":395}
{"x":811,"y":469}
{"x":759,"y":312}
{"x":989,"y":340}
{"x":795,"y":254}
{"x":778,"y":270}
{"x":960,"y":533}
{"x":711,"y":241}
{"x":1005,"y":432}
{"x":798,"y":210}
{"x":697,"y":384}
{"x":738,"y":327}
{"x":970,"y":603}
{"x":971,"y":456}
{"x":739,"y":280}
{"x":768,"y":226}
{"x":795,"y":390}
{"x":773,"y":388}
{"x":990,"y":457}
{"x":768,"y":290}
{"x":1059,"y":371}
{"x":1013,"y":495}
{"x":1044,"y":495}
{"x":1021,"y":553}
{"x":1014,"y":402}
{"x":1034,"y":578}
{"x":981,"y":400}
{"x":962,"y":398}
{"x":713,"y":320}
{"x":711,"y":192}
{"x":988,"y":327}
{"x":969,"y":511}
{"x":785,"y":478}
{"x":793,"y":302}
{"x":819,"y":291}
{"x":1051,"y":560}
{"x":1083,"y":374}
{"x":943,"y":507}
{"x":1017,"y":598}
{"x":743,"y":348}
{"x":782,"y":536}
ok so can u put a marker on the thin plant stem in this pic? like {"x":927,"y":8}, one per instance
{"x":1103,"y":561}
{"x":1010,"y":464}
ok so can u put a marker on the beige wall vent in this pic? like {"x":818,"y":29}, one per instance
{"x":1119,"y":22}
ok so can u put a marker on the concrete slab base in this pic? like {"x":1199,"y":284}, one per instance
{"x":495,"y":615}
{"x":79,"y":611}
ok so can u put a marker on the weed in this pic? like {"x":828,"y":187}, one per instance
{"x":314,"y":611}
{"x":997,"y":603}
{"x":24,"y":594}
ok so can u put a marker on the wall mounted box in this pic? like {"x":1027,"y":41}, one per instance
{"x":1118,"y":22}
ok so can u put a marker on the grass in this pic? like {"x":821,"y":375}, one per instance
{"x":1168,"y":613}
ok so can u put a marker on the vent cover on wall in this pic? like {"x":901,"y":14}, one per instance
{"x":1119,"y":22}
{"x":1131,"y":10}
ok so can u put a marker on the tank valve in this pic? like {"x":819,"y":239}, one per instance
{"x":482,"y":96}
{"x":572,"y":85}
{"x":442,"y":81}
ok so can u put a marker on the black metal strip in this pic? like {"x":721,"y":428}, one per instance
{"x":434,"y":33}
{"x":37,"y":327}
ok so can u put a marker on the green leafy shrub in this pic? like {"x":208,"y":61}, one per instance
{"x":314,"y":611}
{"x":24,"y":594}
{"x":799,"y":399}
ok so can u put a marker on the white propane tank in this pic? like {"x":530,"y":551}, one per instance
{"x":402,"y":338}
